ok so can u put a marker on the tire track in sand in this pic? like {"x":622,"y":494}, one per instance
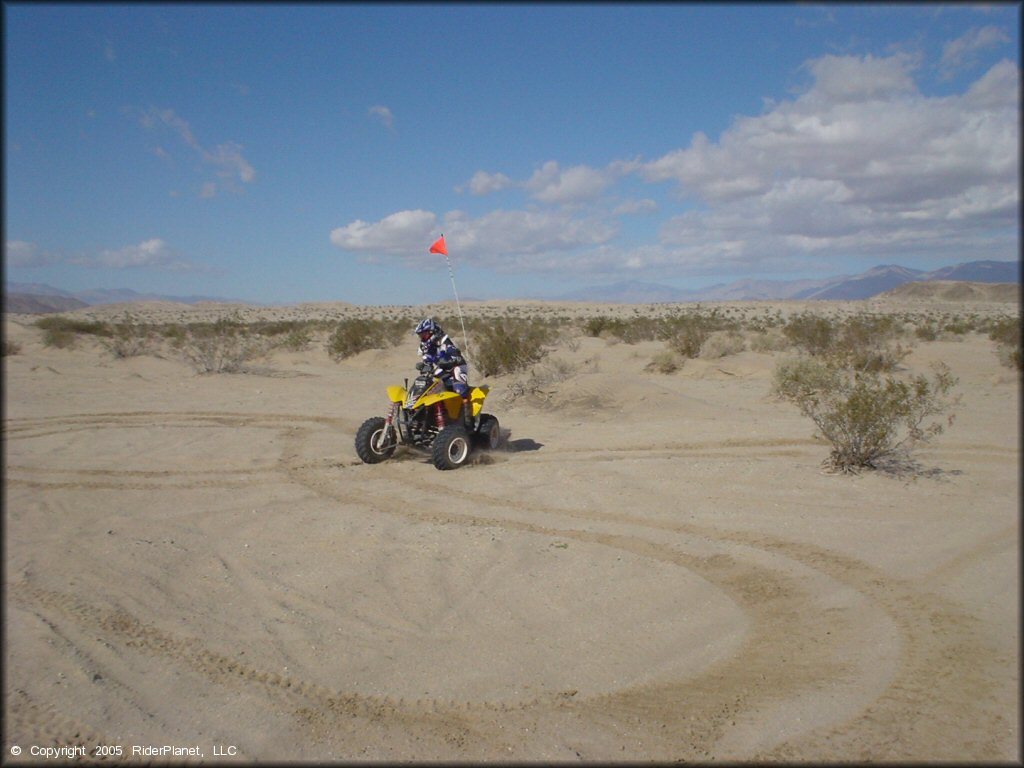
{"x":941,"y":651}
{"x":940,"y":655}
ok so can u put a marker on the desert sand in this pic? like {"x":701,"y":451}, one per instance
{"x":650,"y":567}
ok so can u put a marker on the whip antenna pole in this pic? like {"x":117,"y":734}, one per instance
{"x":462,"y":322}
{"x":441,"y":247}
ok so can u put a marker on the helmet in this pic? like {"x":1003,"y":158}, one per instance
{"x":428,"y":329}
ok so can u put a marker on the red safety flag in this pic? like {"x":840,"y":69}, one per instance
{"x":439,"y":246}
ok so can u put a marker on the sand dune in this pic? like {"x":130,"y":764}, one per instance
{"x":652,"y":566}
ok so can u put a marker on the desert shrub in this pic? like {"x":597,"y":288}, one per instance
{"x":722,"y":344}
{"x":665,"y":361}
{"x":866,"y":343}
{"x":11,"y":347}
{"x":73,"y":326}
{"x":62,"y":332}
{"x":354,"y":335}
{"x":220,"y":347}
{"x":59,"y":337}
{"x":768,"y":340}
{"x":1005,"y":332}
{"x":174,"y":333}
{"x":509,"y":344}
{"x":871,"y":421}
{"x":687,"y":334}
{"x":958,"y":326}
{"x":298,"y":339}
{"x":860,"y":342}
{"x":926,"y":331}
{"x":809,"y":332}
{"x":595,"y":326}
{"x":539,"y":378}
{"x":631,"y":331}
{"x":129,"y":339}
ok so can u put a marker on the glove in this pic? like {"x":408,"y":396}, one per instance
{"x":423,"y":367}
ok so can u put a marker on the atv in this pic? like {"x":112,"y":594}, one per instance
{"x":429,"y":417}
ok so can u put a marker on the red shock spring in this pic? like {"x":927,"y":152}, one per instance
{"x":439,"y":415}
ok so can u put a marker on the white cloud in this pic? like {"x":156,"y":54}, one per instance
{"x":401,"y":233}
{"x":862,"y":163}
{"x":502,"y":233}
{"x":842,"y":79}
{"x":149,"y":254}
{"x":18,"y":253}
{"x":383,"y":114}
{"x":226,"y":159}
{"x":484,"y":183}
{"x":633,"y":207}
{"x":502,"y":238}
{"x":959,"y":52}
{"x":553,"y":184}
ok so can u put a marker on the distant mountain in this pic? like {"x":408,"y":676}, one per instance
{"x":629,"y":292}
{"x":47,"y":295}
{"x":865,"y":285}
{"x":955,"y":290}
{"x":842,"y":287}
{"x":29,"y":304}
{"x":980,"y":272}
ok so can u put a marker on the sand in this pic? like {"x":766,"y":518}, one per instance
{"x":651,"y":567}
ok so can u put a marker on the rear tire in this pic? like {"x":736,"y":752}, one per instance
{"x":451,"y":447}
{"x":366,"y":441}
{"x":488,"y":436}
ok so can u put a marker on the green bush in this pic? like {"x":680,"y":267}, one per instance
{"x":1005,"y":332}
{"x":926,"y":332}
{"x":722,"y":344}
{"x":860,"y":342}
{"x":768,"y":340}
{"x":866,"y":343}
{"x":666,"y":361}
{"x":508,"y":345}
{"x":60,"y":324}
{"x":129,"y":339}
{"x":687,"y":334}
{"x":355,"y":335}
{"x":809,"y":332}
{"x":62,"y":332}
{"x":870,"y":421}
{"x":220,"y":347}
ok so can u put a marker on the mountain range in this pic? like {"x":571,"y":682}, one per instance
{"x":842,"y":287}
{"x":39,"y":297}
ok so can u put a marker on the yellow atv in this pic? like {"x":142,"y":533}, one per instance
{"x":430,"y":417}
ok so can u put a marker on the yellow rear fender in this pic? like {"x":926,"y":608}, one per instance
{"x":476,"y":398}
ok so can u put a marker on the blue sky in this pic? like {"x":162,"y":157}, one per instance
{"x":287,"y":153}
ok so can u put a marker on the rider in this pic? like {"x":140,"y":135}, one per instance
{"x":439,"y":351}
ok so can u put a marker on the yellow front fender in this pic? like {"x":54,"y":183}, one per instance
{"x":396,"y":394}
{"x":452,"y":402}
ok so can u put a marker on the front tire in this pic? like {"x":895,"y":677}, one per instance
{"x":451,"y":447}
{"x":368,"y":436}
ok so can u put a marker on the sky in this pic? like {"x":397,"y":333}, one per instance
{"x":282,"y":153}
